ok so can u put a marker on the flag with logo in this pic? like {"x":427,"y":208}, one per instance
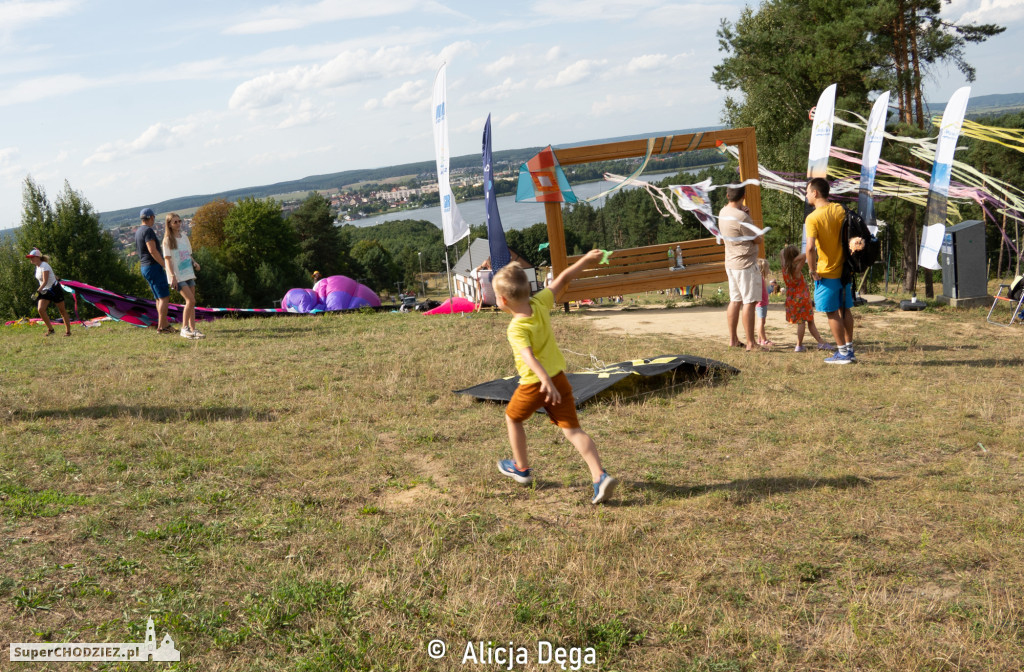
{"x":873,"y":136}
{"x":495,"y":234}
{"x":938,"y":188}
{"x":453,"y":225}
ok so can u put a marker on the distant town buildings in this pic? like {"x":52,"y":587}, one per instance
{"x":355,"y":202}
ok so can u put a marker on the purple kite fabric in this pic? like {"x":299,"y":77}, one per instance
{"x":301,"y":300}
{"x":350,"y":293}
{"x":142,"y":312}
{"x":336,"y":292}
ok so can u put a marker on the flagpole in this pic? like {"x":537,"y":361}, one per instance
{"x":449,"y":267}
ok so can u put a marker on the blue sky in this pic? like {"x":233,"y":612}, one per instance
{"x":136,"y":102}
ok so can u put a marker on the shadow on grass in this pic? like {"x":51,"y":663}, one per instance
{"x":863,"y":346}
{"x":747,"y":490}
{"x":151,"y":413}
{"x":983,"y":363}
{"x":262,"y":330}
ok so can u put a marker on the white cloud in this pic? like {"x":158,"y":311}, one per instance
{"x":499,"y":66}
{"x":275,"y":158}
{"x":575,"y":73}
{"x":456,"y":49}
{"x":156,"y":138}
{"x":510,"y":120}
{"x":39,"y":88}
{"x":347,"y":68}
{"x":618,"y":103}
{"x":645,"y":62}
{"x":474,"y":127}
{"x":501,"y":91}
{"x":305,"y":114}
{"x":1001,"y":12}
{"x":111,"y":178}
{"x":593,"y":10}
{"x":17,"y":13}
{"x":409,"y":93}
{"x":9,"y":166}
{"x":280,"y":18}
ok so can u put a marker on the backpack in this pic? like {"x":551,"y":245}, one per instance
{"x":858,"y":260}
{"x":1017,"y":288}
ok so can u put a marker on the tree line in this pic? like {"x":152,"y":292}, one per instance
{"x":781,"y":54}
{"x":250,"y":253}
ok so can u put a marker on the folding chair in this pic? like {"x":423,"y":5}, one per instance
{"x":1014,"y":297}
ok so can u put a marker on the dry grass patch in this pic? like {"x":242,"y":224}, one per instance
{"x":308,"y":494}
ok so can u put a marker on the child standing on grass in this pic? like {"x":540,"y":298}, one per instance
{"x":761,"y":310}
{"x":541,"y":367}
{"x":799,"y":309}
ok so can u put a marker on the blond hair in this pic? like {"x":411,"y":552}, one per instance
{"x":763,"y":267}
{"x":511,"y":283}
{"x":171,"y":241}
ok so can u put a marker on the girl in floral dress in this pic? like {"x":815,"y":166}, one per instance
{"x":799,"y":308}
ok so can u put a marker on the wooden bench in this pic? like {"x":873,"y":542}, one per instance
{"x":642,"y":269}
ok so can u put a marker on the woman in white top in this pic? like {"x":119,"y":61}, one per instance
{"x":181,"y":272}
{"x":49,"y":291}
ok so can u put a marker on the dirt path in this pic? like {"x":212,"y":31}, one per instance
{"x":704,"y":322}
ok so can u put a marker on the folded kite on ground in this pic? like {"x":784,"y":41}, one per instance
{"x":625,"y":378}
{"x":142,"y":312}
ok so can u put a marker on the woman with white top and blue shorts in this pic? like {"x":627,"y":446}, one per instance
{"x":181,"y":272}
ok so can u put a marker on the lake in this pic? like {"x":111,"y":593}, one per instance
{"x":514,"y":216}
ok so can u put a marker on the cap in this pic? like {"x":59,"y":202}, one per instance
{"x":34,"y":253}
{"x":147,"y":213}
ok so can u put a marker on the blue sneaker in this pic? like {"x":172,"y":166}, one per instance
{"x":840,"y":358}
{"x":604,"y":488}
{"x":508,"y":467}
{"x":849,"y":350}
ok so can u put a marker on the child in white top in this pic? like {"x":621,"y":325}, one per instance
{"x":181,"y":272}
{"x":49,"y":291}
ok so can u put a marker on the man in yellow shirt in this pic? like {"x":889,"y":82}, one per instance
{"x":825,"y":259}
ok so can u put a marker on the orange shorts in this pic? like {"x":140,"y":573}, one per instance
{"x":528,"y":398}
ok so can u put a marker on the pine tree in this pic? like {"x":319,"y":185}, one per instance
{"x":320,"y":243}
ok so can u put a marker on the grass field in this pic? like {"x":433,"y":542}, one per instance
{"x":307,"y":494}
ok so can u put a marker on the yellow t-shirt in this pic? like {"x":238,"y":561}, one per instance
{"x":535,"y":332}
{"x":825,"y":225}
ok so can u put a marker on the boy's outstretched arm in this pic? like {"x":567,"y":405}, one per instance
{"x":547,"y":387}
{"x":559,"y":284}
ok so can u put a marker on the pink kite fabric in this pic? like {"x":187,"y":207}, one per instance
{"x":142,"y":312}
{"x":456,"y":305}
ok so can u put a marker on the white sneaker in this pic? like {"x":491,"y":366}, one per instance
{"x":185,"y":333}
{"x":198,"y":334}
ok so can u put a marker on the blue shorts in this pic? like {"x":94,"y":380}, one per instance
{"x":186,"y":283}
{"x":761,"y":312}
{"x":157,"y":279}
{"x":828,"y":292}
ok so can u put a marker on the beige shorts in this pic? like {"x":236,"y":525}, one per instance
{"x":744,"y":284}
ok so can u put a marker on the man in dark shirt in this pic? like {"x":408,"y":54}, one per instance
{"x":152,"y":265}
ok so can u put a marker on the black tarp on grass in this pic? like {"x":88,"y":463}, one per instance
{"x":625,"y":378}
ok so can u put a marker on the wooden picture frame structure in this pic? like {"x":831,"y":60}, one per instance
{"x":641,"y":269}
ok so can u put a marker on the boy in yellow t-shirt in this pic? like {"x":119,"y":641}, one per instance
{"x":541,"y":367}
